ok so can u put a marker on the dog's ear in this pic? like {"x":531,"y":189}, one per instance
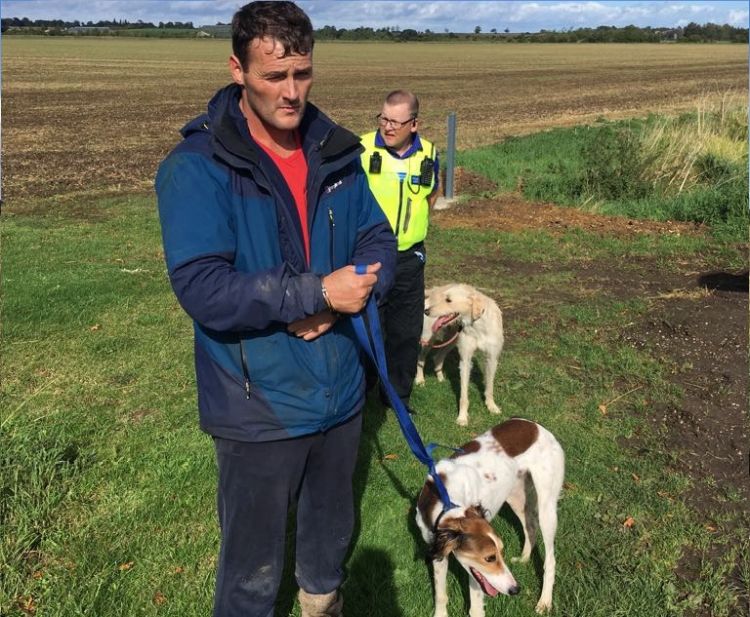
{"x":447,"y":539}
{"x":477,"y":306}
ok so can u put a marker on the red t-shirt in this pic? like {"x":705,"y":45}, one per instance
{"x":294,"y":170}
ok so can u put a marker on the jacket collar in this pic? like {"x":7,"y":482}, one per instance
{"x":231,"y":141}
{"x":416,"y":146}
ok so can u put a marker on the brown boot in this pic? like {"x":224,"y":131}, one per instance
{"x":322,"y":604}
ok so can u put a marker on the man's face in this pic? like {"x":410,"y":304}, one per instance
{"x":398,"y":133}
{"x":276,"y":86}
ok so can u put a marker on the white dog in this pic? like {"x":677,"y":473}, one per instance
{"x":458,"y":315}
{"x":495,"y":468}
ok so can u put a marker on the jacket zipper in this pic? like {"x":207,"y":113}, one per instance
{"x":331,"y":228}
{"x":291,"y":225}
{"x":400,"y":203}
{"x":407,"y":216}
{"x":245,"y":371}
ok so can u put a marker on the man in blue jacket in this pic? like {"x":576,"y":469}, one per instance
{"x":265,"y":210}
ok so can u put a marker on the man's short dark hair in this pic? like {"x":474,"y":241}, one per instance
{"x":284,"y":22}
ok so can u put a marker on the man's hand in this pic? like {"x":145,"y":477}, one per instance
{"x":312,"y":327}
{"x":347,"y":290}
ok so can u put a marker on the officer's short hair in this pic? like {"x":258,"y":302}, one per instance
{"x":284,"y":22}
{"x":397,"y":97}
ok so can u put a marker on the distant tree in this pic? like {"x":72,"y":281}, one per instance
{"x":494,"y":31}
{"x":507,"y":30}
{"x":693,"y":31}
{"x":327,"y":33}
{"x":477,"y":29}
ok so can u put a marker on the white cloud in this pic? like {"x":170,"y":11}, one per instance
{"x":738,"y":19}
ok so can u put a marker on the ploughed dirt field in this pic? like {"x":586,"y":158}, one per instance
{"x":93,"y":116}
{"x":697,"y":325}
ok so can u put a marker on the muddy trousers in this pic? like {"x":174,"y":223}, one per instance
{"x":258,"y":482}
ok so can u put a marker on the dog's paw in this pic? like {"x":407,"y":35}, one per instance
{"x":440,"y":376}
{"x":462,"y":421}
{"x":493,"y":407}
{"x":419,"y":380}
{"x":521,"y":559}
{"x":543,"y":606}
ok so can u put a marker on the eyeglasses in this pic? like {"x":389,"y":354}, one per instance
{"x":384,"y":122}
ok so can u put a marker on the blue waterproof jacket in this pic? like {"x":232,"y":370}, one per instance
{"x":235,"y":257}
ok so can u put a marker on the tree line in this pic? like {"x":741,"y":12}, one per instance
{"x":114,"y":24}
{"x":693,"y":32}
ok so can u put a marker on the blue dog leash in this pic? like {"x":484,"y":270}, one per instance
{"x":376,"y":352}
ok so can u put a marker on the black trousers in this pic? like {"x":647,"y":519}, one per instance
{"x":401,"y":318}
{"x":257,"y":484}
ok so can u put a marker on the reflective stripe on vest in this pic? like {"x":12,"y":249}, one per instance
{"x":398,"y":191}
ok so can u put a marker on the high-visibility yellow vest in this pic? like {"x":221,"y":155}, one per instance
{"x":398,"y":191}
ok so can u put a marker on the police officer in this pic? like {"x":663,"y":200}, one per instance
{"x":402,"y":169}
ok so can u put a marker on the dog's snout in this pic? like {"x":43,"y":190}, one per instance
{"x":514,"y":590}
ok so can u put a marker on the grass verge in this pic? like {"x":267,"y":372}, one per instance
{"x":692,"y":167}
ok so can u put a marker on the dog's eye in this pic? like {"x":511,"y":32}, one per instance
{"x":490,"y":559}
{"x":447,"y":298}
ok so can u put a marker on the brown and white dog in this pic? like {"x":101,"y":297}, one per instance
{"x":477,"y":323}
{"x":496,"y":467}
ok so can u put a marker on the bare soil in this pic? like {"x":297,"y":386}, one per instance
{"x":90,"y":117}
{"x":696,"y":327}
{"x":514,"y":213}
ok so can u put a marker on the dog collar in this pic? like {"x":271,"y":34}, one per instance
{"x":446,"y":343}
{"x":437,"y":520}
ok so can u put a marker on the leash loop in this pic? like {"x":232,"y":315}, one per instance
{"x":372,"y":343}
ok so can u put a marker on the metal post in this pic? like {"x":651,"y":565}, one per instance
{"x":450,"y":156}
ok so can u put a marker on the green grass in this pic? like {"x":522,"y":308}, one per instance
{"x":519,"y":160}
{"x":108,"y":485}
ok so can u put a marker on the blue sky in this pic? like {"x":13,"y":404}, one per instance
{"x":456,"y":16}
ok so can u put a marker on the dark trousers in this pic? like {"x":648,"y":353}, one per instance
{"x":257,"y":484}
{"x":401,"y":319}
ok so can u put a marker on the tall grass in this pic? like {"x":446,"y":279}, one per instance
{"x":707,"y":146}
